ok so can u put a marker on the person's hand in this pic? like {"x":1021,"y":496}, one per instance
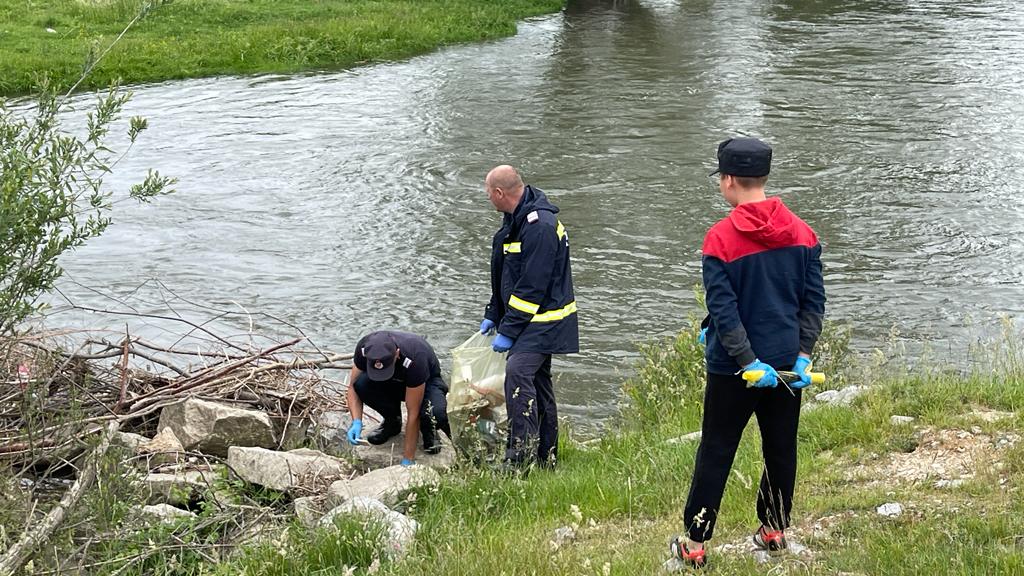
{"x":502,"y":343}
{"x":703,"y":338}
{"x":406,"y":462}
{"x":803,"y":368}
{"x":769,"y":377}
{"x":354,"y":431}
{"x":486,"y":326}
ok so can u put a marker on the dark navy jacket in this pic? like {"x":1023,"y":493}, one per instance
{"x":764,"y":287}
{"x":532,"y":299}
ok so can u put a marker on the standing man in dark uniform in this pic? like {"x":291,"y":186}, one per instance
{"x":533,"y":309}
{"x":390,"y":367}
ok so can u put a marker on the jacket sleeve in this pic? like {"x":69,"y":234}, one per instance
{"x":812,"y":305}
{"x":724,"y":311}
{"x":539,"y":247}
{"x":494,"y":310}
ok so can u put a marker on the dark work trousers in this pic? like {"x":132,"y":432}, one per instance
{"x":532,"y":413}
{"x":728,"y":404}
{"x":387,"y":397}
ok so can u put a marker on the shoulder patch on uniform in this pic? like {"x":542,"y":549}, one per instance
{"x":407,"y":362}
{"x":532,"y":217}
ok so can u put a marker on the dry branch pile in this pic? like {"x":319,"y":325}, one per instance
{"x":61,"y":393}
{"x":54,"y":396}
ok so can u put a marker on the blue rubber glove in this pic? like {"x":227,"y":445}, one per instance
{"x":803,"y":368}
{"x":406,"y":462}
{"x":354,"y":432}
{"x":486,"y":326}
{"x":770,"y":378}
{"x":502,"y":343}
{"x":703,"y":338}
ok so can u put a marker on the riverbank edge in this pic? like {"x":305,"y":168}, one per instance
{"x":614,"y":501}
{"x":186,"y":40}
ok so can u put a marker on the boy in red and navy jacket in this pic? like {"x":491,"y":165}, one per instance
{"x":766,"y":300}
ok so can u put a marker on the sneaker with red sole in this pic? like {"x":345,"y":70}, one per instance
{"x":694,"y":559}
{"x":772,"y":541}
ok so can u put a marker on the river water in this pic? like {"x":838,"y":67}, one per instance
{"x":351,"y":201}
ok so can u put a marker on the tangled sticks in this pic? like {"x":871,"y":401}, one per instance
{"x":52,"y":399}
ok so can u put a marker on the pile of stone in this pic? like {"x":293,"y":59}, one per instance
{"x":202,"y":442}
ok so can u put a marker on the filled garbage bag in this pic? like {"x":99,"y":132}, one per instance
{"x":476,"y":398}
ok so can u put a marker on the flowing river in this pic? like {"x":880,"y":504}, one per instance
{"x":351,"y":201}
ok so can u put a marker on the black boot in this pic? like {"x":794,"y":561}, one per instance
{"x":431,"y":445}
{"x":387,"y":430}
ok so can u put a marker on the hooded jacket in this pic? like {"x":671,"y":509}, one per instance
{"x":764,"y":288}
{"x":532,"y":298}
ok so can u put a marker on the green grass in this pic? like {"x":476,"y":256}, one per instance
{"x":196,"y":38}
{"x":630,"y":487}
{"x":624,"y":493}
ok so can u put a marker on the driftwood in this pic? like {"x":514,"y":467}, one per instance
{"x":37,"y":535}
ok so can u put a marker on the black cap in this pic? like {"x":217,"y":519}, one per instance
{"x":744,"y":157}
{"x":379,"y":350}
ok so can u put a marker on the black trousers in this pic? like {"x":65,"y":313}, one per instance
{"x":387,"y":397}
{"x":728,"y":404}
{"x":532,"y":412}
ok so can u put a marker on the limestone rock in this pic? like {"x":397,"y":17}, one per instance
{"x":385,"y":484}
{"x":331,"y":428}
{"x":129,"y":441}
{"x":843,"y":397}
{"x":370,"y":457}
{"x":900,"y":420}
{"x":164,"y":448}
{"x":211,"y":427}
{"x":177,"y":488}
{"x":401,"y":530}
{"x":301,"y":468}
{"x":890,"y":509}
{"x":308,"y":510}
{"x":166,"y":513}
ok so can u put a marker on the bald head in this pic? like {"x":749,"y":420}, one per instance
{"x":504,"y":188}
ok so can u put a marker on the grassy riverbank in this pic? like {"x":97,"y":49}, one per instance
{"x":957,"y":470}
{"x":629,"y":488}
{"x":195,"y":38}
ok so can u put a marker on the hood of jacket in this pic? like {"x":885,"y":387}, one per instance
{"x":768,"y":222}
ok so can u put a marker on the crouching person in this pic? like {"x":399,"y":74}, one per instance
{"x":389,"y":368}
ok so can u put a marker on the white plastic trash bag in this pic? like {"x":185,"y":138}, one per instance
{"x":476,"y":398}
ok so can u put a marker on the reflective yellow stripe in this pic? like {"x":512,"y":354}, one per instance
{"x":513,"y":248}
{"x":555,"y":315}
{"x":560,"y":231}
{"x":523,"y":305}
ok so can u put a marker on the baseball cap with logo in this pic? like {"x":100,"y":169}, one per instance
{"x":379,"y":350}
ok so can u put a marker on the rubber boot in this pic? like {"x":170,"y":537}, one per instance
{"x":431,"y":445}
{"x":386,"y":431}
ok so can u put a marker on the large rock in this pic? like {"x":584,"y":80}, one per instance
{"x":400,"y":533}
{"x":385,"y":484}
{"x":370,"y":457}
{"x":330,"y":428}
{"x":301,"y":468}
{"x":211,"y":428}
{"x":178,"y":488}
